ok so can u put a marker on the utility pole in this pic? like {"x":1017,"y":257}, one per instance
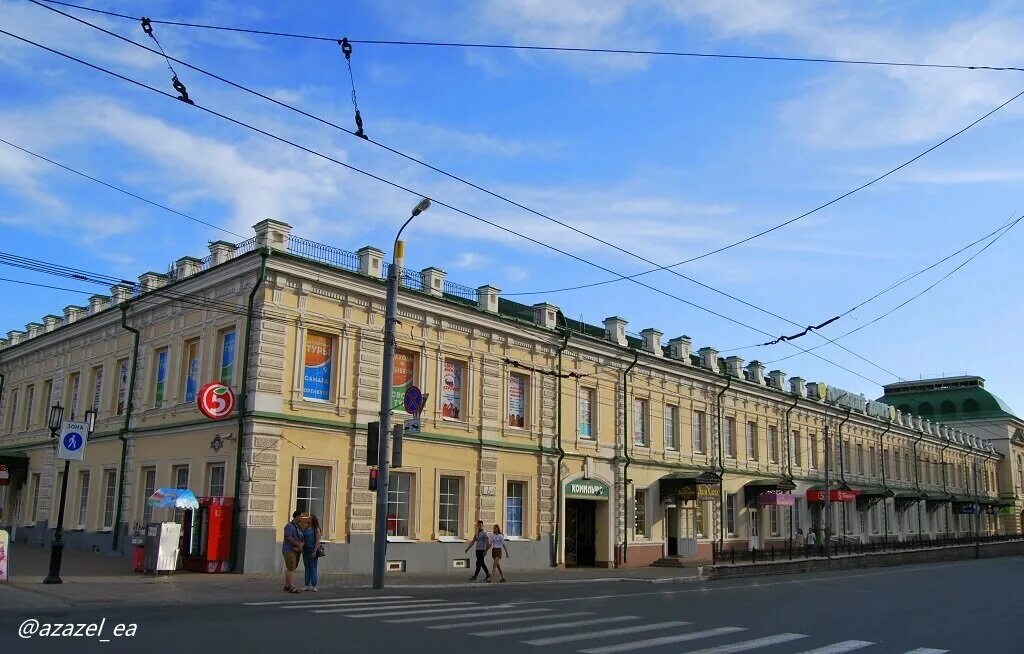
{"x":828,"y":484}
{"x":380,"y":531}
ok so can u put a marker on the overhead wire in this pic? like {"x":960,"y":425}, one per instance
{"x":406,"y":189}
{"x":498,"y":195}
{"x":541,"y":48}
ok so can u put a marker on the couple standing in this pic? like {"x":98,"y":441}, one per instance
{"x":496,"y":543}
{"x":302,"y":537}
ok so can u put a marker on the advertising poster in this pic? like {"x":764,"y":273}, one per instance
{"x":74,"y":394}
{"x":517,"y":401}
{"x":192,"y":380}
{"x":405,"y":373}
{"x":161,"y":378}
{"x":316,"y":378}
{"x":227,"y":359}
{"x":586,"y":415}
{"x":5,"y":549}
{"x":97,"y":388}
{"x":122,"y":386}
{"x":451,"y":390}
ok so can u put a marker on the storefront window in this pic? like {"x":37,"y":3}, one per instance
{"x":640,"y":514}
{"x":399,"y":504}
{"x":515,"y":494}
{"x":449,"y":506}
{"x":311,"y":492}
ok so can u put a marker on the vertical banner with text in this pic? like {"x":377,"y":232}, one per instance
{"x":316,"y":377}
{"x":402,"y":379}
{"x":5,"y":556}
{"x":451,"y":392}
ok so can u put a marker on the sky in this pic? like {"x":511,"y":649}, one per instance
{"x":664,"y":157}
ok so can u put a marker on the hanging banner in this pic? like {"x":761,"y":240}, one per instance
{"x":517,"y":401}
{"x":402,"y":378}
{"x":192,"y":378}
{"x":5,"y":556}
{"x":451,"y":391}
{"x":122,"y":387}
{"x":74,"y":394}
{"x":227,"y":359}
{"x":316,"y":379}
{"x":97,"y":389}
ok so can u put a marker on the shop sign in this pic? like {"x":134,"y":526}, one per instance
{"x":838,"y":495}
{"x":5,"y":555}
{"x":589,"y":489}
{"x":698,"y":492}
{"x":5,"y":476}
{"x":846,"y":399}
{"x":968,"y":509}
{"x":776,"y":499}
{"x":1007,"y":510}
{"x":881,"y":410}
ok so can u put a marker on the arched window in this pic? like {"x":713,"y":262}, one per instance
{"x":947,"y":408}
{"x":971,"y":405}
{"x":926,"y":409}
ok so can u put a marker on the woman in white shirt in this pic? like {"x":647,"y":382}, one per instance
{"x":498,"y":549}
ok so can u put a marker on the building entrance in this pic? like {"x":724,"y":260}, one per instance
{"x":580,"y":532}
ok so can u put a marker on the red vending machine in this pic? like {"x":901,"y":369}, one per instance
{"x":207,"y":535}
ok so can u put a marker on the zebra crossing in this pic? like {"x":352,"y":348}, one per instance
{"x":589,"y":631}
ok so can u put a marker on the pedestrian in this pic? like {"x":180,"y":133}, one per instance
{"x":482,"y":543}
{"x":291,"y":548}
{"x":311,"y":536}
{"x":811,"y":541}
{"x":498,"y":550}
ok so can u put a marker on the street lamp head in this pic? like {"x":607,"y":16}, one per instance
{"x":56,"y":416}
{"x":423,"y":205}
{"x":90,"y":419}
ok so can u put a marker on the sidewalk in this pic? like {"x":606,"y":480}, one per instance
{"x":98,"y":579}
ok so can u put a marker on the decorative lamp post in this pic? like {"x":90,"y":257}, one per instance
{"x":57,"y":546}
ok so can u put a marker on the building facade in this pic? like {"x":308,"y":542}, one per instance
{"x":586,"y":444}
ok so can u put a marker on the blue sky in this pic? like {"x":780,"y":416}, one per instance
{"x":666,"y":157}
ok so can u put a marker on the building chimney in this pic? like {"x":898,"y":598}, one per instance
{"x":272,"y":234}
{"x":545,"y":315}
{"x":708,"y":358}
{"x":120,"y":293}
{"x":652,"y":341}
{"x":680,"y":348}
{"x":734,"y":367}
{"x":615,"y":330}
{"x":432,"y":280}
{"x":73,"y":313}
{"x":98,"y":303}
{"x":798,"y":386}
{"x":221,"y":252}
{"x":151,"y":281}
{"x":777,"y":380}
{"x":51,"y":322}
{"x":487,"y":298}
{"x":186,"y":267}
{"x":34,"y":329}
{"x":371,"y":262}
{"x":3,"y":343}
{"x":756,"y":371}
{"x":15,"y":337}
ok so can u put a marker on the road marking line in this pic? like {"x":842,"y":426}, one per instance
{"x":337,"y":599}
{"x":664,"y":640}
{"x":554,"y":625}
{"x":485,"y":623}
{"x":352,"y":605}
{"x":927,"y":650}
{"x":475,"y":624}
{"x":747,"y":645}
{"x":459,"y":609}
{"x":389,"y":607}
{"x":571,"y":638}
{"x":839,"y":648}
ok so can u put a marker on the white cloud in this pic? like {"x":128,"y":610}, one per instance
{"x":469,"y":260}
{"x":516,"y":273}
{"x":442,"y":138}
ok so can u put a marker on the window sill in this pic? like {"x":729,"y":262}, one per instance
{"x":517,"y":539}
{"x":401,"y":539}
{"x":105,"y":530}
{"x":450,"y":539}
{"x":459,"y":421}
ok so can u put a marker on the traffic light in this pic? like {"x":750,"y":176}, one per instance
{"x":373,"y":479}
{"x":396,"y":452}
{"x":372,"y":442}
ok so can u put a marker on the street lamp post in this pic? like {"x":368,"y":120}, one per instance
{"x":380,"y":535}
{"x":828,"y":485}
{"x":57,"y":546}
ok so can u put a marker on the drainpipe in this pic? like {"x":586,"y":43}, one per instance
{"x":626,"y":440}
{"x":123,"y":435}
{"x":561,"y":453}
{"x":789,"y":459}
{"x":885,"y":500}
{"x":945,"y":490}
{"x":842,"y":462}
{"x":917,"y":479}
{"x":243,"y":397}
{"x":721,"y":466}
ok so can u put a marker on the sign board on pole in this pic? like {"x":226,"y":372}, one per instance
{"x":413,"y":400}
{"x":72,"y":441}
{"x":5,"y":556}
{"x":412,"y":426}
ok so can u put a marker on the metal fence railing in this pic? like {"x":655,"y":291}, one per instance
{"x":790,"y":551}
{"x":323,"y":253}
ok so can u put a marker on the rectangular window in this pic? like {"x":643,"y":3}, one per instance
{"x":30,"y":400}
{"x":97,"y":388}
{"x":160,"y":379}
{"x":517,"y":401}
{"x":215,"y":480}
{"x":845,"y":454}
{"x":148,"y":488}
{"x":403,"y":377}
{"x":640,"y":422}
{"x":640,"y":514}
{"x":730,"y":514}
{"x":399,"y":504}
{"x":515,"y":499}
{"x":449,"y":506}
{"x":773,"y":444}
{"x":587,"y":412}
{"x":860,"y":459}
{"x":122,"y":386}
{"x":109,"y":498}
{"x":14,"y":409}
{"x":876,"y":512}
{"x":774,"y":527}
{"x":700,"y":520}
{"x":910,"y":471}
{"x":671,"y":420}
{"x":46,"y":399}
{"x":798,"y":449}
{"x":752,"y":441}
{"x":73,"y":383}
{"x":451,"y":389}
{"x":730,"y":437}
{"x":227,"y":357}
{"x":190,"y":364}
{"x":179,"y":475}
{"x":311,"y":492}
{"x":872,"y":462}
{"x":317,"y":367}
{"x":697,"y":432}
{"x":814,"y":451}
{"x":30,"y":510}
{"x":926,"y":468}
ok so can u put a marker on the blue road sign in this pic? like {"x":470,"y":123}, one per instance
{"x":413,"y":400}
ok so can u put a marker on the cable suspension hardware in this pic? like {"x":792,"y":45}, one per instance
{"x":346,"y":49}
{"x":147,"y":27}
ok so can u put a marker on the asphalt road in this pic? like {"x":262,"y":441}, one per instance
{"x":969,"y":606}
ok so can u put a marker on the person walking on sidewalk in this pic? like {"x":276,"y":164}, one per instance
{"x":310,"y":544}
{"x":498,"y":549}
{"x":291,"y":548}
{"x":482,"y":543}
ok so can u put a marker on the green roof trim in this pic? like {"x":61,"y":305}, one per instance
{"x":948,"y":405}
